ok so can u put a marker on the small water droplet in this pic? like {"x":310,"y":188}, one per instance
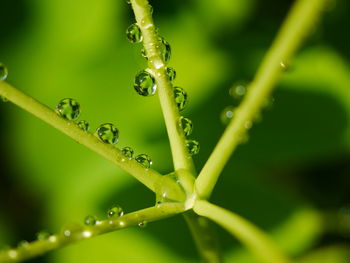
{"x":128,"y":2}
{"x":284,"y":66}
{"x":133,"y":33}
{"x":68,"y":109}
{"x":165,"y":50}
{"x":3,"y":99}
{"x":180,"y":98}
{"x":227,"y":114}
{"x":142,"y":224}
{"x":145,"y":84}
{"x":23,"y":244}
{"x":171,"y":73}
{"x":71,"y":229}
{"x":43,"y":235}
{"x":128,"y":152}
{"x":108,"y":133}
{"x":144,"y":160}
{"x":90,"y":220}
{"x":84,"y":125}
{"x":115,"y":211}
{"x":192,"y":147}
{"x":186,"y":125}
{"x":3,"y":72}
{"x":237,"y":92}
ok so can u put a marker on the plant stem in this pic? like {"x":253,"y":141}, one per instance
{"x":151,"y":43}
{"x":204,"y":237}
{"x":75,"y":233}
{"x":248,"y":234}
{"x":146,"y":176}
{"x":299,"y":23}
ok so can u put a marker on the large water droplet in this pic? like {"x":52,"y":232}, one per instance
{"x":108,"y":133}
{"x":115,"y":211}
{"x":128,"y":152}
{"x":144,"y":160}
{"x":133,"y":33}
{"x":43,"y":235}
{"x":171,"y":73}
{"x":3,"y":72}
{"x":186,"y":125}
{"x":192,"y":147}
{"x":68,"y":109}
{"x":165,"y":50}
{"x":142,"y":224}
{"x":227,"y":114}
{"x":90,"y":220}
{"x":145,"y":84}
{"x":84,"y":125}
{"x":180,"y":98}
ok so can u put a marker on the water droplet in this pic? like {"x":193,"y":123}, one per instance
{"x":144,"y":160}
{"x":3,"y":72}
{"x":284,"y":66}
{"x":12,"y":254}
{"x":145,"y":84}
{"x":180,"y":98}
{"x":227,"y":114}
{"x":115,"y":211}
{"x":3,"y":99}
{"x":68,"y":109}
{"x":128,"y":2}
{"x":171,"y":73}
{"x":237,"y":92}
{"x":84,"y":125}
{"x":142,"y":224}
{"x":71,"y":229}
{"x":108,"y":133}
{"x":165,"y":50}
{"x":144,"y":53}
{"x":23,"y":244}
{"x":43,"y":235}
{"x":133,"y":33}
{"x":128,"y":152}
{"x":192,"y":147}
{"x":186,"y":125}
{"x":90,"y":220}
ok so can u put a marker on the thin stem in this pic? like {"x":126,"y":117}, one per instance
{"x":204,"y":237}
{"x":181,"y":158}
{"x":75,"y":233}
{"x":146,"y":176}
{"x":299,"y":23}
{"x":248,"y":234}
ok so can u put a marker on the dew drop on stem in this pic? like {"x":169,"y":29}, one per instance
{"x":192,"y":147}
{"x":68,"y":108}
{"x":142,"y":224}
{"x":145,"y":84}
{"x":115,"y":211}
{"x":180,"y":96}
{"x":186,"y":125}
{"x":43,"y":235}
{"x":144,"y":160}
{"x":84,"y":125}
{"x":133,"y":33}
{"x":128,"y":152}
{"x":108,"y":133}
{"x":227,"y":114}
{"x":171,"y":73}
{"x":3,"y":72}
{"x":90,"y":220}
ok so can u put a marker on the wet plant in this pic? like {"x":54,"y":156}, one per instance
{"x":182,"y":191}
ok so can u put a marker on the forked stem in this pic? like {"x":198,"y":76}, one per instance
{"x":299,"y":23}
{"x":248,"y":234}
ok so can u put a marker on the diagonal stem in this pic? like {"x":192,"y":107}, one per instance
{"x":76,"y":233}
{"x":299,"y":23}
{"x":181,"y":158}
{"x":146,"y":176}
{"x":248,"y":234}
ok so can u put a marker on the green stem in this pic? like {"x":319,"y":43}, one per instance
{"x":248,"y":234}
{"x":181,"y":158}
{"x":204,"y":237}
{"x":298,"y":24}
{"x":146,"y":176}
{"x":77,"y":233}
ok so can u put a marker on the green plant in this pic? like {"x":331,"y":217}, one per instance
{"x":185,"y":194}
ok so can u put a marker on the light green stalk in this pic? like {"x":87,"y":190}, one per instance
{"x":148,"y":177}
{"x":75,"y":233}
{"x":248,"y":234}
{"x":300,"y":21}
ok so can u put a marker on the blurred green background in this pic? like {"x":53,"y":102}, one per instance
{"x":292,"y":178}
